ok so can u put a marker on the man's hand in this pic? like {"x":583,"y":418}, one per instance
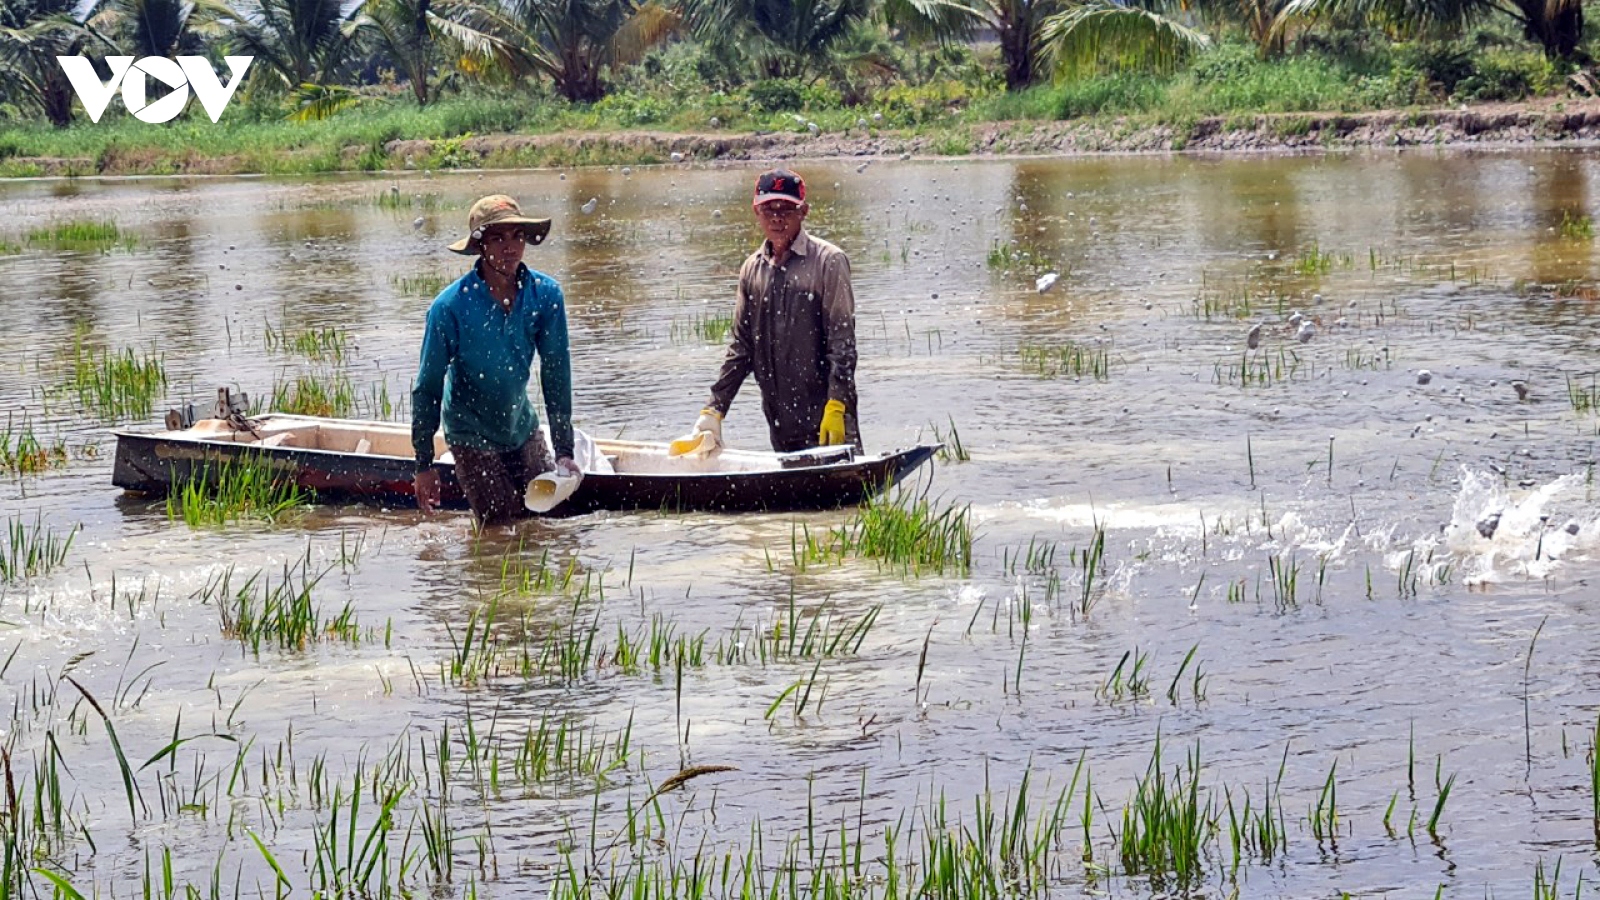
{"x":832,"y":430}
{"x":565,"y":466}
{"x":426,"y":485}
{"x":710,"y":422}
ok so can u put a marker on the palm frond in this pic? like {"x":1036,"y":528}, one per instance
{"x":649,"y":25}
{"x":1100,"y":31}
{"x":316,"y":102}
{"x":939,"y":20}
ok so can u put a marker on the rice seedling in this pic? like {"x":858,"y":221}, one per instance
{"x":1593,"y":761}
{"x":263,"y":612}
{"x":333,"y":396}
{"x":1066,"y":360}
{"x":710,"y":328}
{"x":562,"y":751}
{"x":1584,"y":399}
{"x":1438,"y":804}
{"x":377,"y":405}
{"x":1197,"y":680}
{"x":1315,"y":261}
{"x":1549,"y":888}
{"x":1134,"y":683}
{"x":1165,"y":826}
{"x":1020,"y":257}
{"x":22,"y":453}
{"x":1409,"y":575}
{"x":9,"y":249}
{"x":950,"y":447}
{"x":524,"y":575}
{"x":1260,"y":834}
{"x":82,"y":235}
{"x":116,"y":385}
{"x":1230,"y":302}
{"x":1260,"y":369}
{"x":1038,"y":558}
{"x":903,"y":531}
{"x":32,"y":550}
{"x":1091,"y":565}
{"x":1324,"y":815}
{"x":1576,"y":228}
{"x":321,"y":344}
{"x":1358,"y":360}
{"x":337,"y":869}
{"x":1285,"y":581}
{"x":799,"y":694}
{"x":1527,"y":709}
{"x":425,"y":284}
{"x":394,"y":198}
{"x":248,"y":486}
{"x":792,"y":636}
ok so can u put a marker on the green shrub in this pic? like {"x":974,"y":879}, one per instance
{"x":627,"y":108}
{"x":1506,"y":75}
{"x":907,"y":104}
{"x":1121,"y":93}
{"x":777,"y":94}
{"x":1442,"y":65}
{"x":1227,"y":62}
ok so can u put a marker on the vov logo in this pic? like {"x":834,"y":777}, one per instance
{"x":180,"y":74}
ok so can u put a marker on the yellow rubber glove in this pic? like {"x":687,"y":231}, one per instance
{"x":706,"y":435}
{"x":832,"y":430}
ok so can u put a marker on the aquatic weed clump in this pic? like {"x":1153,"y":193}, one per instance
{"x":86,"y":235}
{"x":248,"y":487}
{"x":116,"y":385}
{"x":22,"y":453}
{"x":32,"y":550}
{"x":278,"y":613}
{"x":912,"y":533}
{"x":313,"y":395}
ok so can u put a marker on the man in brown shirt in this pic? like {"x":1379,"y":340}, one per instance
{"x":794,"y":327}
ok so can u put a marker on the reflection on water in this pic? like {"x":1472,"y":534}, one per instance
{"x":1305,"y":518}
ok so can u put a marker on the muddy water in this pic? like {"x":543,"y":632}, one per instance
{"x":1302,"y":516}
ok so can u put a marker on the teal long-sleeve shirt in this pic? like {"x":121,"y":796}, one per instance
{"x":476,"y":361}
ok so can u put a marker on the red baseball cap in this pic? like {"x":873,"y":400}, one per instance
{"x":780,"y":184}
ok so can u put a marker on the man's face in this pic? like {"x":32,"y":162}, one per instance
{"x":502,"y":247}
{"x":780,"y":220}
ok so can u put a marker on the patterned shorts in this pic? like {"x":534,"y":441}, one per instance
{"x":495,"y":481}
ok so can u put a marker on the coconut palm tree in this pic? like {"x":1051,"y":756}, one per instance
{"x":32,"y":34}
{"x":405,"y":32}
{"x":1094,"y":32}
{"x":1555,"y":25}
{"x":1017,"y":24}
{"x":571,"y":41}
{"x":300,"y":42}
{"x":164,"y":27}
{"x":784,"y":38}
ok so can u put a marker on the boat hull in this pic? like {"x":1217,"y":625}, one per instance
{"x":153,"y":463}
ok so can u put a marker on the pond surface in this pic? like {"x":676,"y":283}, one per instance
{"x":1288,"y":593}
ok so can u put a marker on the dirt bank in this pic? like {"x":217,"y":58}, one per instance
{"x":1507,"y":124}
{"x":1532,"y":123}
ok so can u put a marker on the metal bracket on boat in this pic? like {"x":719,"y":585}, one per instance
{"x":180,"y":418}
{"x":232,"y":408}
{"x":816,"y":456}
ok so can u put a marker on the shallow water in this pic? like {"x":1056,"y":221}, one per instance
{"x":1392,"y":646}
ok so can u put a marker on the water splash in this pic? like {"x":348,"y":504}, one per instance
{"x":1498,"y":535}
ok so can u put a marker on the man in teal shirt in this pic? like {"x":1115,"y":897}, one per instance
{"x":477,"y":354}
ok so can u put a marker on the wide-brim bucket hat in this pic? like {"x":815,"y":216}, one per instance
{"x":498,"y":209}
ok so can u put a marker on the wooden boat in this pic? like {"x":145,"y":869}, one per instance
{"x":346,"y":460}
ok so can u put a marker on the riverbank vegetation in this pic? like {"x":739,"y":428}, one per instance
{"x":343,"y":87}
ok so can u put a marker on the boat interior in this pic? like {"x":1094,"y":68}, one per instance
{"x":393,"y":439}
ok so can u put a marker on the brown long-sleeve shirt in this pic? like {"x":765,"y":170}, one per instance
{"x":794,"y":328}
